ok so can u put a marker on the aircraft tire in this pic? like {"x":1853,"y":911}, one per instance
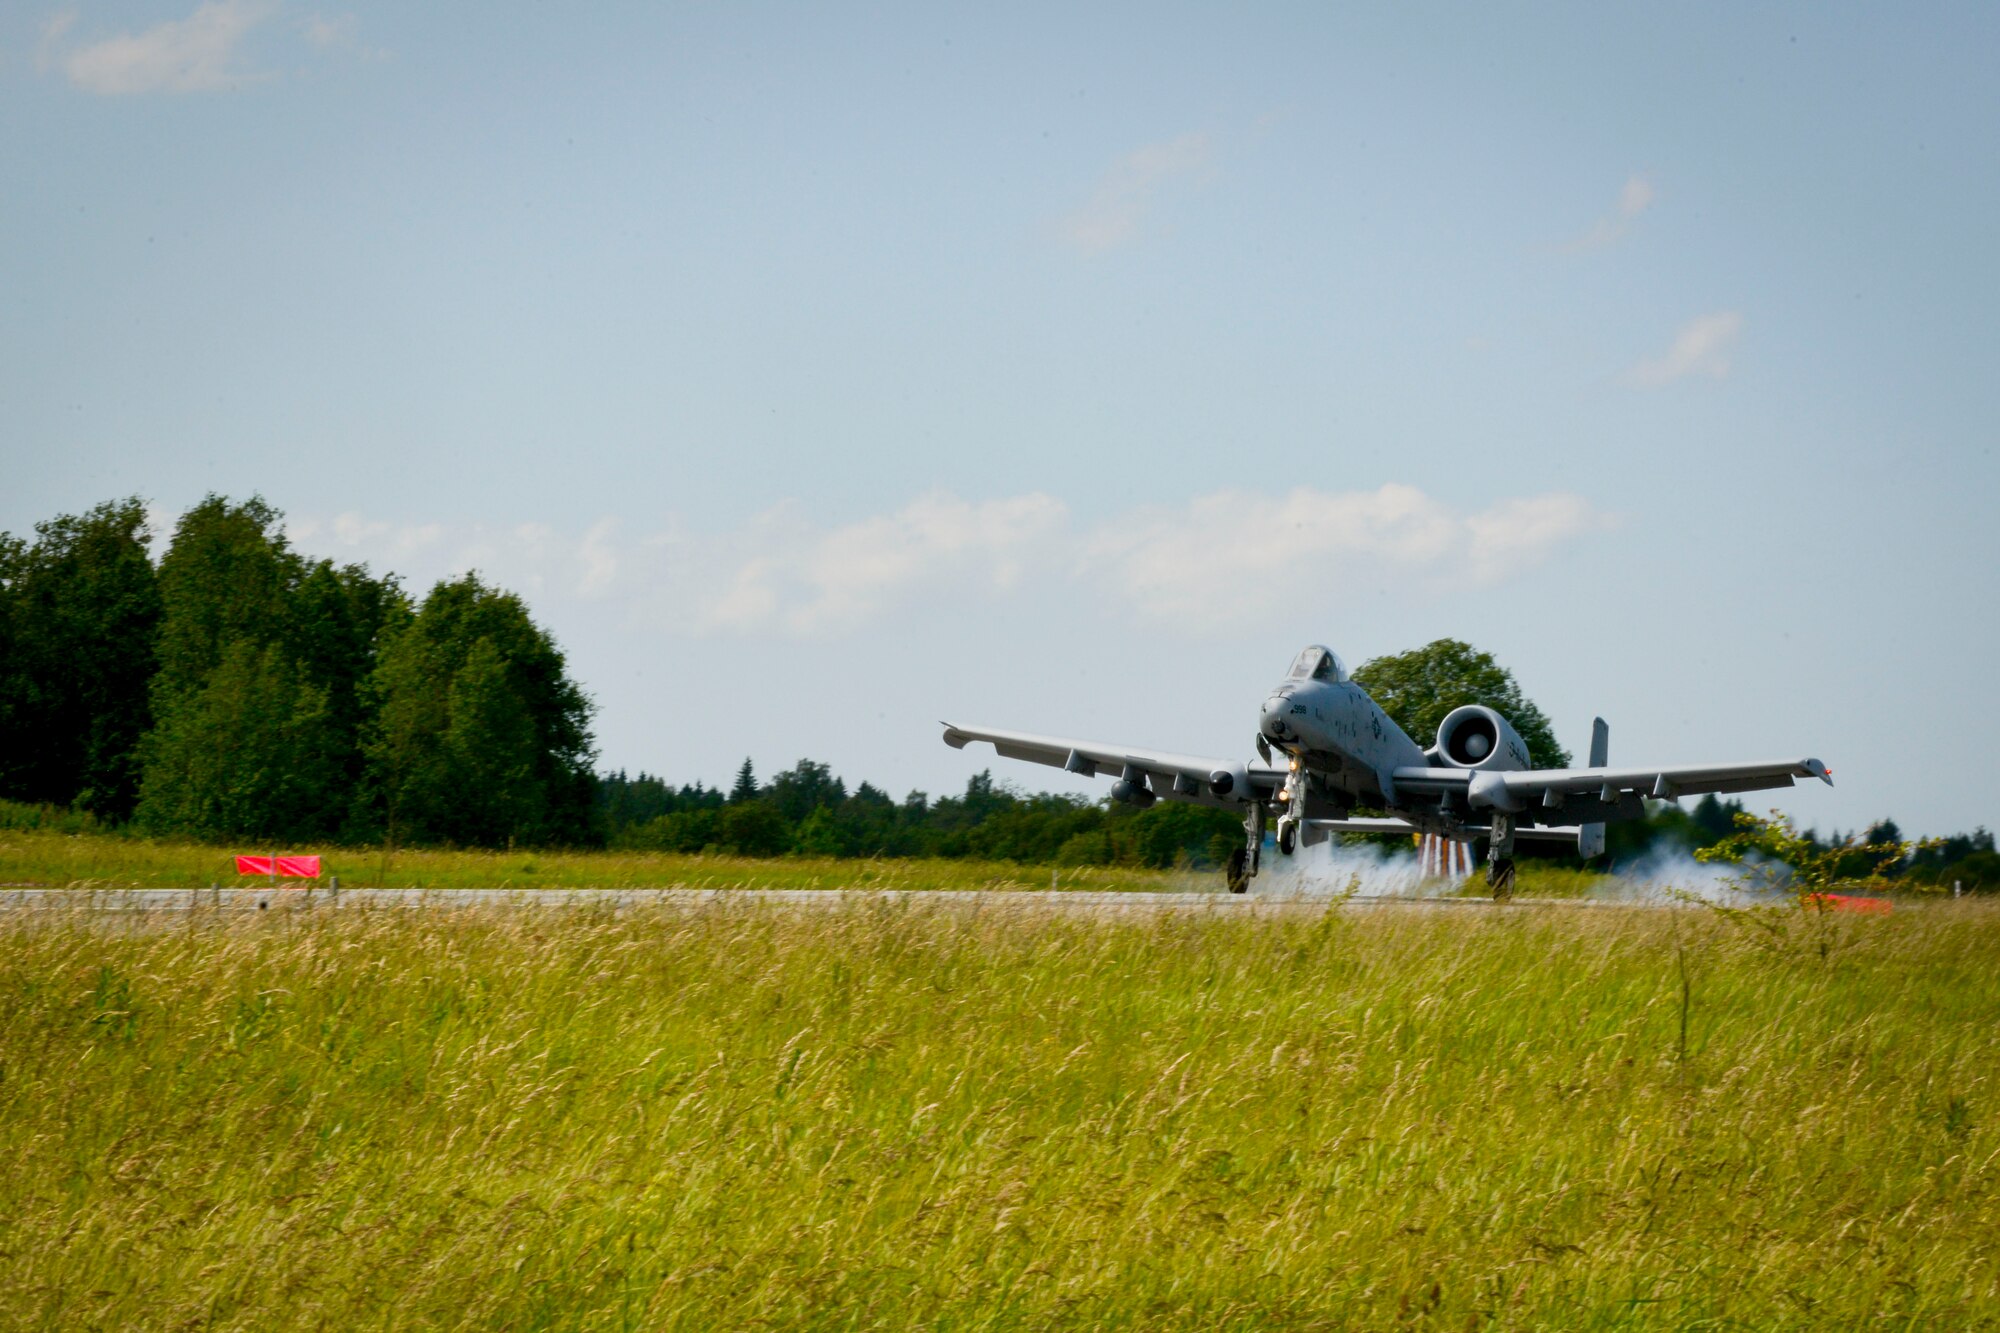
{"x":1238,"y":870}
{"x":1500,"y":875}
{"x":1288,"y":837}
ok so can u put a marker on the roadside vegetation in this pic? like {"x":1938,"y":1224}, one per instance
{"x":914,"y":1117}
{"x":44,"y":858}
{"x":52,"y":856}
{"x":41,"y":847}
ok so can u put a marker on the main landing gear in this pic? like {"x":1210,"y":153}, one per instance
{"x":1500,"y":858}
{"x":1238,"y":871}
{"x":1243,"y":861}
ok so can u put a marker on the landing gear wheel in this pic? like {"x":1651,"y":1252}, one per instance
{"x":1237,"y":872}
{"x":1288,"y":836}
{"x":1500,"y":875}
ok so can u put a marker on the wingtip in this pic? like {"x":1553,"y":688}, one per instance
{"x":953,"y":737}
{"x":1820,"y":771}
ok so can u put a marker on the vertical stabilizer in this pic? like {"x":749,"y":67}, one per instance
{"x":1590,"y":838}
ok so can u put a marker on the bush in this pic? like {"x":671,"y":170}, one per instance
{"x":753,"y":828}
{"x":1085,"y":849}
{"x":1171,"y":832}
{"x":54,"y":818}
{"x":682,"y":831}
{"x":820,"y":835}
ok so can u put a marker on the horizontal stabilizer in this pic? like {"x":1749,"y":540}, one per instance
{"x":1396,"y":826}
{"x":1524,"y":835}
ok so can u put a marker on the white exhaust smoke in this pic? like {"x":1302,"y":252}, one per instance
{"x":1671,"y":874}
{"x":1333,"y":868}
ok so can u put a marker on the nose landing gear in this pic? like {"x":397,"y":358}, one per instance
{"x":1295,"y":807}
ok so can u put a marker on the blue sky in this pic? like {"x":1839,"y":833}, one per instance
{"x":819,"y":373}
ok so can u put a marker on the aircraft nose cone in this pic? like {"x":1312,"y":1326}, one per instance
{"x":1273,"y":720}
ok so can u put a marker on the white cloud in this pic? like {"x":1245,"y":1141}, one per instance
{"x":160,"y":523}
{"x":54,"y":28}
{"x":1219,"y":561}
{"x":1115,"y":210}
{"x":1702,"y":347}
{"x":195,"y":54}
{"x":337,"y":35}
{"x":1232,"y":557}
{"x":1634,"y":197}
{"x":324,"y":32}
{"x":599,"y":558}
{"x":1513,"y":536}
{"x":809,"y":581}
{"x":355,"y":536}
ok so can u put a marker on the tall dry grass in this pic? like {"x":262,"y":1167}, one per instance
{"x":896,"y":1116}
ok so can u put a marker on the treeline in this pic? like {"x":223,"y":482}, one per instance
{"x":239,"y":690}
{"x":1967,"y":859}
{"x":808,"y":811}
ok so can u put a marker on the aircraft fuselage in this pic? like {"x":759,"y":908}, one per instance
{"x":1341,"y":737}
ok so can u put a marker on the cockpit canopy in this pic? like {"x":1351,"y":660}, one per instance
{"x":1319,"y":663}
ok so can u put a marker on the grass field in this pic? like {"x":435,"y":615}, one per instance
{"x":50,"y":858}
{"x":44,"y":858}
{"x":53,"y":859}
{"x":895,"y":1116}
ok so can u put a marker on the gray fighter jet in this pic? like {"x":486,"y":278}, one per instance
{"x":1340,"y":750}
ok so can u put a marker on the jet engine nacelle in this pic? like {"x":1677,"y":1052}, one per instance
{"x":1231,"y":784}
{"x":1474,"y":736}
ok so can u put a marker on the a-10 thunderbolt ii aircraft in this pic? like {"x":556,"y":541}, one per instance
{"x":1341,"y":750}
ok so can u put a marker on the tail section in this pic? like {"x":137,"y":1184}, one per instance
{"x":1590,"y":837}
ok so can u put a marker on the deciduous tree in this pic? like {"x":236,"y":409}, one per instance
{"x":252,"y":752}
{"x":79,"y":620}
{"x":1418,"y":688}
{"x":478,"y":735}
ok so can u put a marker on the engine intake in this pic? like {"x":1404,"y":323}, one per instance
{"x":1474,"y":736}
{"x":1232,"y":784}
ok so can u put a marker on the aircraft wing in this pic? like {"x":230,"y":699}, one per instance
{"x":1550,"y":787}
{"x":1183,"y":777}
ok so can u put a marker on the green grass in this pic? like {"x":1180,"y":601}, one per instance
{"x":899,"y":1116}
{"x":48,"y":859}
{"x":41,"y":857}
{"x":1540,"y":879}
